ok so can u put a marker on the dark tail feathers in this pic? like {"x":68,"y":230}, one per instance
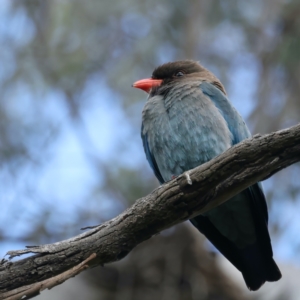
{"x":256,"y":268}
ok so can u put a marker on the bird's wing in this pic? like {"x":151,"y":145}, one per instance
{"x":239,"y":131}
{"x":150,"y":157}
{"x":255,"y":261}
{"x":236,"y":124}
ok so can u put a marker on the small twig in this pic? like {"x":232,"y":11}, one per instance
{"x":52,"y":248}
{"x":32,"y":290}
{"x":89,"y":227}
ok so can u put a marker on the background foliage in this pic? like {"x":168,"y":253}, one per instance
{"x":70,"y":148}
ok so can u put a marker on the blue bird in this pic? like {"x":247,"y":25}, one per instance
{"x":188,"y":120}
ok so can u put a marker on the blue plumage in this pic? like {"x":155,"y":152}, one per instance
{"x":187,"y":121}
{"x":235,"y":123}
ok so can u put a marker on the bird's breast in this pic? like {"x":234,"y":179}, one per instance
{"x":184,"y":129}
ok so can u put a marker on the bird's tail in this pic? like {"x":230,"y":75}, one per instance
{"x":256,"y":268}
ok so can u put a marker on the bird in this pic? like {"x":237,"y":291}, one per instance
{"x":188,"y":120}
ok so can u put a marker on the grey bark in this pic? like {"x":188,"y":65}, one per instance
{"x":190,"y":194}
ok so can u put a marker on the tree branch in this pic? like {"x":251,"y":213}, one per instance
{"x":190,"y":194}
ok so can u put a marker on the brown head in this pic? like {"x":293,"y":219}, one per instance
{"x":173,"y":72}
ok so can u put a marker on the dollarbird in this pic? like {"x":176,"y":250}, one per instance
{"x":186,"y":121}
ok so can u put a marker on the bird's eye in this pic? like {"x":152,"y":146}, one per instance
{"x":179,"y":74}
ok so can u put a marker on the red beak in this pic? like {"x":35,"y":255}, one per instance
{"x":147,"y":84}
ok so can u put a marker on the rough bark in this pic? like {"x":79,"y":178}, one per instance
{"x":190,"y":194}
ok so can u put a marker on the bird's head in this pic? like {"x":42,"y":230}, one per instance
{"x":173,"y":72}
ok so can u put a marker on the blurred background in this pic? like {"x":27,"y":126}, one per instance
{"x":70,"y":149}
